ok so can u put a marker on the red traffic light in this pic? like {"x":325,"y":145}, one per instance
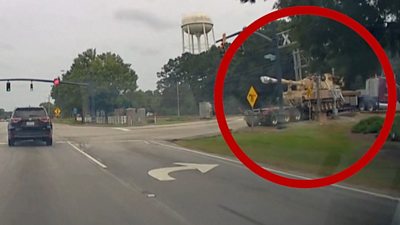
{"x":56,"y":81}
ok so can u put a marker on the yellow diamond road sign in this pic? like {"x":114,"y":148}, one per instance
{"x":57,"y":112}
{"x":252,"y":96}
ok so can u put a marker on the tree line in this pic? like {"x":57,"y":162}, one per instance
{"x":325,"y":43}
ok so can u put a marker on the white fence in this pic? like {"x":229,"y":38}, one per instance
{"x":117,"y":120}
{"x":132,"y":117}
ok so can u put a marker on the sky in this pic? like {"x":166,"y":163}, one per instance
{"x":40,"y":39}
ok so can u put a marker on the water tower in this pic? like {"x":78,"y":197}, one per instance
{"x":196,"y":25}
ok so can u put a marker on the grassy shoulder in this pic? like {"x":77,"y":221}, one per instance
{"x":313,"y":149}
{"x":166,"y":120}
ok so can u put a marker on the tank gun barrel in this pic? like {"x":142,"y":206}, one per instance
{"x":268,"y":80}
{"x":271,"y":80}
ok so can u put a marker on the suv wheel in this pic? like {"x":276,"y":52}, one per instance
{"x":11,"y":142}
{"x":49,"y":142}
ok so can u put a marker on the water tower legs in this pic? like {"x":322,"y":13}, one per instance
{"x":198,"y":44}
{"x":205,"y":37}
{"x":183,"y":41}
{"x":212,"y":30}
{"x":192,"y":39}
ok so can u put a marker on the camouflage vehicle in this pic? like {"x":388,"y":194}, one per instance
{"x":301,"y":99}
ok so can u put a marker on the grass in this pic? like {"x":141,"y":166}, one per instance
{"x":165,"y":120}
{"x":68,"y":121}
{"x":312,"y":149}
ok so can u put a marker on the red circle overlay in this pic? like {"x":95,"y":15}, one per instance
{"x":314,"y":11}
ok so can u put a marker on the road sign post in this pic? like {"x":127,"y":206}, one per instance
{"x":252,"y":98}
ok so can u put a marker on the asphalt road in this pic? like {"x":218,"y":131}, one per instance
{"x":97,"y":175}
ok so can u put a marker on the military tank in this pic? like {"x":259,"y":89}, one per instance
{"x":305,"y":92}
{"x":301,"y":98}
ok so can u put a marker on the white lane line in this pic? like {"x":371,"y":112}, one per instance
{"x":88,"y":156}
{"x":279,"y":171}
{"x":121,"y":129}
{"x":119,"y":141}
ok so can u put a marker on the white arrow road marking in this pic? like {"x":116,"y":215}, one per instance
{"x":162,"y":174}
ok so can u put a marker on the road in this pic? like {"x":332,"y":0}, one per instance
{"x":100,"y":175}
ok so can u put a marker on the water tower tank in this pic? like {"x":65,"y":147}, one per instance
{"x":196,"y":25}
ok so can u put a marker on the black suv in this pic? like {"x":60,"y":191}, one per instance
{"x":30,"y":123}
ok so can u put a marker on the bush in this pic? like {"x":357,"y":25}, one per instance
{"x":396,"y":129}
{"x":370,"y":125}
{"x":374,"y":125}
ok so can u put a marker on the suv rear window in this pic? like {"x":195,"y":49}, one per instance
{"x":29,"y":113}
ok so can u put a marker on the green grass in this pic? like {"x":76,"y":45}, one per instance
{"x":166,"y":120}
{"x":317,"y":150}
{"x":69,"y":121}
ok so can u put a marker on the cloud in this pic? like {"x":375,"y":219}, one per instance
{"x":145,"y":51}
{"x":6,"y":47}
{"x":144,"y":18}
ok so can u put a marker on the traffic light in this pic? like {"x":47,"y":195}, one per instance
{"x":56,"y":81}
{"x":8,"y":86}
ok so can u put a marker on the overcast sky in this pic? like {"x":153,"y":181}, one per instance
{"x":40,"y":38}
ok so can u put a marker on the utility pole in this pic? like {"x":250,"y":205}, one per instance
{"x":335,"y":110}
{"x":48,"y":105}
{"x":91,"y":103}
{"x":276,"y":58}
{"x":177,"y":98}
{"x":318,"y":96}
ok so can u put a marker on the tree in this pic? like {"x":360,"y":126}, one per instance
{"x":150,"y":100}
{"x":330,"y":44}
{"x":2,"y":113}
{"x":194,"y":74}
{"x":48,"y":106}
{"x":110,"y":81}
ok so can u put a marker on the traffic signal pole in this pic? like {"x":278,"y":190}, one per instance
{"x":278,"y":68}
{"x":43,"y":81}
{"x":56,"y":82}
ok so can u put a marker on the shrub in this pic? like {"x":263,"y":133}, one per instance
{"x":370,"y":125}
{"x":396,"y":128}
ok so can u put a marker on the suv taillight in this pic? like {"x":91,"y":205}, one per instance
{"x":15,"y":120}
{"x":45,"y":119}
